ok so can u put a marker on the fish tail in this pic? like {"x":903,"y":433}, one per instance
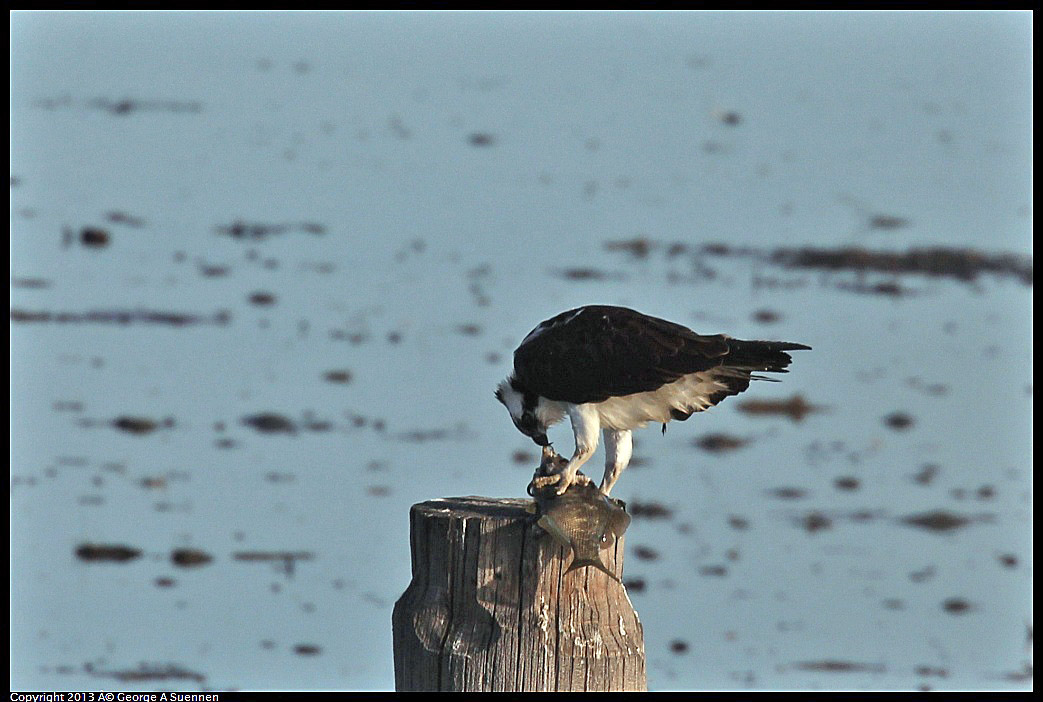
{"x":578,"y":563}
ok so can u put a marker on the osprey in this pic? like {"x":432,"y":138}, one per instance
{"x":613,"y":369}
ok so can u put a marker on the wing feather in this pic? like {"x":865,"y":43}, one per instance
{"x":589,"y":354}
{"x":592,"y":353}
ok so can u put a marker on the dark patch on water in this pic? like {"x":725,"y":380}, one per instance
{"x":730,"y":118}
{"x":927,"y":474}
{"x":924,"y":575}
{"x":712,"y":147}
{"x":122,"y":317}
{"x":587,"y":274}
{"x":1019,"y":676}
{"x":890,"y":288}
{"x":822,"y":520}
{"x":649,"y":510}
{"x":418,"y":436}
{"x":957,"y":605}
{"x":796,"y":407}
{"x":815,"y":521}
{"x":847,"y":483}
{"x":117,"y":217}
{"x":122,"y":107}
{"x":888,"y":222}
{"x":787,"y":493}
{"x":874,"y":221}
{"x":985,"y":492}
{"x":635,"y":584}
{"x":398,"y":128}
{"x":928,"y":671}
{"x":719,"y":443}
{"x":645,"y":553}
{"x":964,"y":265}
{"x":638,"y":247}
{"x":678,"y":646}
{"x":738,"y":523}
{"x":766,"y":316}
{"x":340,"y":375}
{"x":113,"y":553}
{"x":313,"y":423}
{"x":94,"y":237}
{"x":839,"y":666}
{"x":931,"y":389}
{"x":286,"y":561}
{"x":481,"y":139}
{"x":190,"y":557}
{"x":523,"y":457}
{"x":262,"y":298}
{"x":353,"y":337}
{"x":147,"y":672}
{"x":256,"y":231}
{"x":18,"y":480}
{"x":714,"y":571}
{"x":899,"y":421}
{"x":30,"y":283}
{"x":270,"y":423}
{"x":943,"y":521}
{"x":141,"y":426}
{"x":127,"y":106}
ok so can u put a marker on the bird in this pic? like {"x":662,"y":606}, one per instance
{"x":612,"y":369}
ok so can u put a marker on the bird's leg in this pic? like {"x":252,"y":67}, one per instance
{"x":619,"y":446}
{"x":585,"y":426}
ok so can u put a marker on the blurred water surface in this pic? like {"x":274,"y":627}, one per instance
{"x":268,"y":268}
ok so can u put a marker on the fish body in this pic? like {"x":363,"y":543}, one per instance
{"x":583,"y":518}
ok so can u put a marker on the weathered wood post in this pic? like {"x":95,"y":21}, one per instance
{"x":490,"y":607}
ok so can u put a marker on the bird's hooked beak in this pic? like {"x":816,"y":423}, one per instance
{"x":541,"y":439}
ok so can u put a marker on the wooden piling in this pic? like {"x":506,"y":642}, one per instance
{"x":490,"y":607}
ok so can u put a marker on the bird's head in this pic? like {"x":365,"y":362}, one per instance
{"x":522,"y":405}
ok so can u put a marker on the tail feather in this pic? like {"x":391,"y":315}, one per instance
{"x":578,"y":563}
{"x":765,"y":356}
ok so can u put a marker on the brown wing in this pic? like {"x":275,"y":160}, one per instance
{"x":592,"y":353}
{"x":589,"y":354}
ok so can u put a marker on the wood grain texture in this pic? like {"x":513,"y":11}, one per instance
{"x":490,"y":608}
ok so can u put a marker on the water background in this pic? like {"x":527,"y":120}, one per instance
{"x":436,"y":184}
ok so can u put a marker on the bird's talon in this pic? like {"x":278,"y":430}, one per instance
{"x":543,"y":481}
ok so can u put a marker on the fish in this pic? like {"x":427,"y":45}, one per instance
{"x":583,"y":518}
